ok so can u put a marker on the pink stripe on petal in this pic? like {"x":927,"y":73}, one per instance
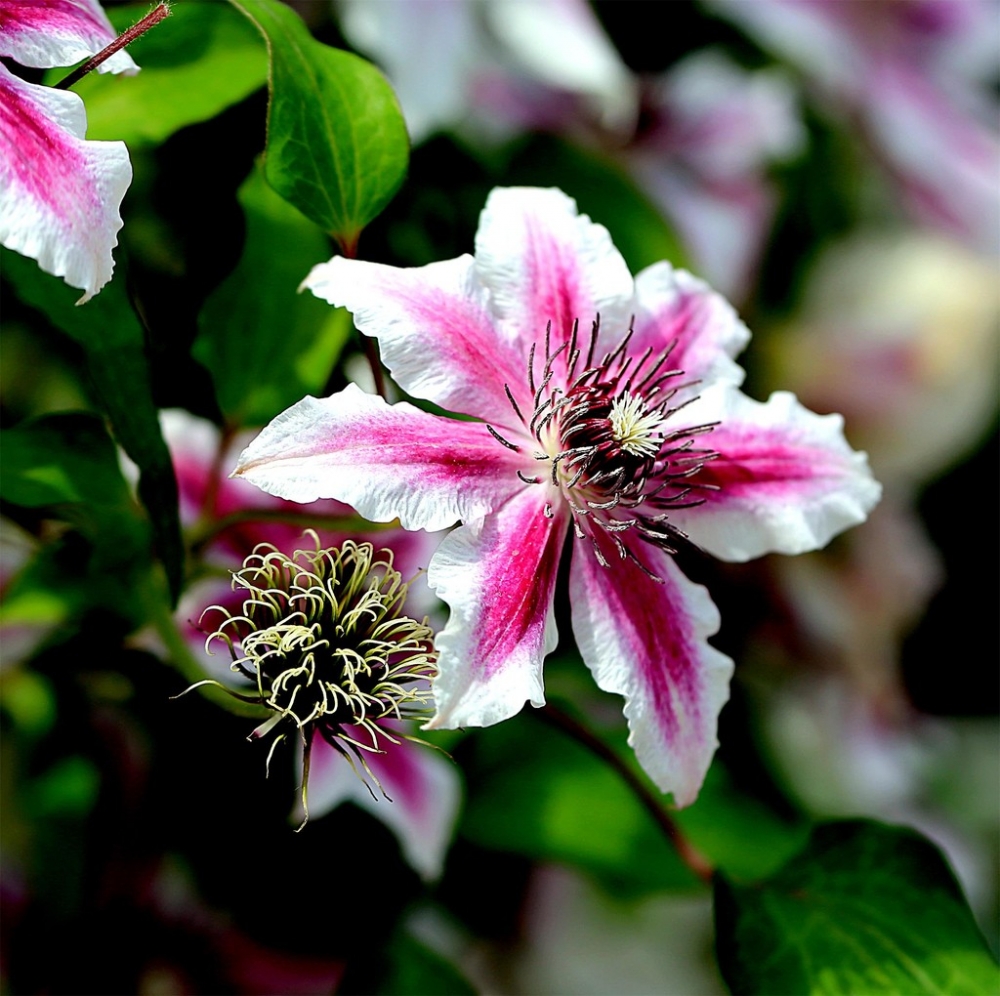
{"x":435,"y":332}
{"x":386,"y":461}
{"x":648,"y":641}
{"x":59,"y":195}
{"x":498,"y":578}
{"x":787,"y":479}
{"x":675,"y":307}
{"x":542,"y":262}
{"x":44,"y":33}
{"x":422,"y":786}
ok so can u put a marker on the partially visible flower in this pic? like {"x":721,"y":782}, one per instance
{"x":610,"y":409}
{"x":710,"y":131}
{"x":228,"y":518}
{"x":486,"y":56}
{"x":916,"y":76}
{"x":59,"y":33}
{"x":59,"y":194}
{"x":322,"y":640}
{"x":899,"y":331}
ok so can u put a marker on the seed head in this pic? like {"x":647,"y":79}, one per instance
{"x":322,"y":638}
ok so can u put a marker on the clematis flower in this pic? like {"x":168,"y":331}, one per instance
{"x":609,"y":412}
{"x":422,"y":784}
{"x":59,"y":194}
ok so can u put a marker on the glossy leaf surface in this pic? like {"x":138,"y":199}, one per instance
{"x":865,"y":908}
{"x":337,"y":147}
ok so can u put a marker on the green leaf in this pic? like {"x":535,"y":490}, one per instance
{"x":113,"y":341}
{"x":67,"y":461}
{"x":536,"y":792}
{"x":199,"y":61}
{"x":336,"y":143}
{"x":265,"y":344}
{"x":416,"y":970}
{"x":865,"y":908}
{"x":62,"y":458}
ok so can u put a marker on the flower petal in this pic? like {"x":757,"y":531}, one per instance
{"x":59,"y":195}
{"x":543,"y":262}
{"x":647,"y":640}
{"x":787,"y":479}
{"x":386,"y":461}
{"x":59,"y":33}
{"x":434,"y":328}
{"x":675,"y":307}
{"x":498,"y":578}
{"x":423,"y":790}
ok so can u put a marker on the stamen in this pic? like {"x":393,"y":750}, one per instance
{"x":504,"y":442}
{"x":634,"y":427}
{"x":513,"y":403}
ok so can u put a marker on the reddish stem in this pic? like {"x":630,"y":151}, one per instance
{"x":685,"y":850}
{"x":350,"y":251}
{"x":157,"y":14}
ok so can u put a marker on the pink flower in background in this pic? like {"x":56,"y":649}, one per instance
{"x":916,"y":76}
{"x":59,"y":194}
{"x":495,"y":66}
{"x":420,"y":782}
{"x":610,"y":411}
{"x":710,"y":132}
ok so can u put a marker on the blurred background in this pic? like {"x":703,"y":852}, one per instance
{"x":832,"y":168}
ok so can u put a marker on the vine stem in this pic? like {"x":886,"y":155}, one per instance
{"x":350,"y":251}
{"x":157,"y":14}
{"x":563,"y":721}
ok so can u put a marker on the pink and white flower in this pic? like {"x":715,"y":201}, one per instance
{"x":609,"y":412}
{"x":915,"y":76}
{"x":421,"y":783}
{"x":59,"y":194}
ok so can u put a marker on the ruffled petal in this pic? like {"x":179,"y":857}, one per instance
{"x":673,"y":307}
{"x":543,"y":262}
{"x":434,"y":328}
{"x":59,"y":33}
{"x":498,"y":578}
{"x":787,"y":479}
{"x":386,"y":461}
{"x":59,"y":195}
{"x":647,"y":640}
{"x":423,"y":790}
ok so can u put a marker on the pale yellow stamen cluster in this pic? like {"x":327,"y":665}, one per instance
{"x":633,"y":427}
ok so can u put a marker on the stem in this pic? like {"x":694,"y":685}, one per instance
{"x":157,"y":14}
{"x":685,"y":850}
{"x":371,"y":354}
{"x":350,"y":251}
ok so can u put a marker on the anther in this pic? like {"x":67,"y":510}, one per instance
{"x":504,"y":442}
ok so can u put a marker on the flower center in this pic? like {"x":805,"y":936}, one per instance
{"x":635,"y":428}
{"x":602,"y":427}
{"x":322,"y":638}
